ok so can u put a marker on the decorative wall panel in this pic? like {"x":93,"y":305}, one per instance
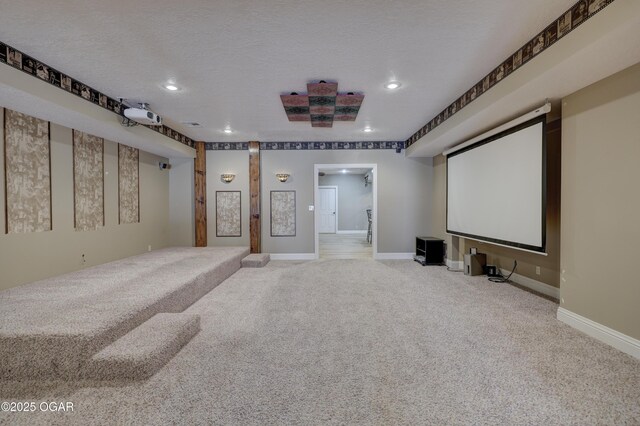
{"x":128,"y":184}
{"x":88,"y":181}
{"x":283,"y":213}
{"x":228,"y":214}
{"x":27,"y":173}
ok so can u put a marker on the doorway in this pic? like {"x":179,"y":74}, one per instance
{"x":345,"y":211}
{"x":328,"y":209}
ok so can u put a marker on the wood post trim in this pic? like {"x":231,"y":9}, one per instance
{"x":200,"y":190}
{"x":254,"y":203}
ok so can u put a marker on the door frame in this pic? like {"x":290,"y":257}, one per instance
{"x":374,"y":208}
{"x":336,"y":202}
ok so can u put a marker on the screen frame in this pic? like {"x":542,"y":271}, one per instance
{"x":511,"y":244}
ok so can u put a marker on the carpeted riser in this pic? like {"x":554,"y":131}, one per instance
{"x":256,"y":260}
{"x":119,"y":364}
{"x":46,"y":356}
{"x":43,"y":356}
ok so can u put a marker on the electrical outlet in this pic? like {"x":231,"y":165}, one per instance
{"x":537,"y":270}
{"x":149,"y":247}
{"x":83,"y":259}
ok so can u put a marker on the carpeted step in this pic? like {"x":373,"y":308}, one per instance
{"x":53,"y":327}
{"x":145,"y":349}
{"x":256,"y":260}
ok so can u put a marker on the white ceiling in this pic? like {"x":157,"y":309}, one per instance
{"x":233,"y":58}
{"x":608,"y":43}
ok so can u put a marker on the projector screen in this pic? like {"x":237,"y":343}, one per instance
{"x":496,"y":188}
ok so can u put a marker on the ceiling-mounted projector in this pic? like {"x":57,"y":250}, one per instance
{"x":143,"y":116}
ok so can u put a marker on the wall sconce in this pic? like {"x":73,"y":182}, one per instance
{"x":282,"y":177}
{"x":227,"y":177}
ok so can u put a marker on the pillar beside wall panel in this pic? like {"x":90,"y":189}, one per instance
{"x":200,"y":185}
{"x":254,"y":191}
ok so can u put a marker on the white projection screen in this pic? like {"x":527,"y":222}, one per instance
{"x":496,"y":188}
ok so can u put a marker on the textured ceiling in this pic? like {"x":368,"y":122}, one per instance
{"x":233,"y":58}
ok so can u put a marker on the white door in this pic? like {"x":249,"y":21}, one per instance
{"x":327,"y":210}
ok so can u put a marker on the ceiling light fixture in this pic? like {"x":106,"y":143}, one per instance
{"x":172,"y":87}
{"x":344,"y":171}
{"x":228,"y":131}
{"x":392,"y":85}
{"x":368,"y":129}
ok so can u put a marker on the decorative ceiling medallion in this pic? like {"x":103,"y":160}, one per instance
{"x":322,"y":105}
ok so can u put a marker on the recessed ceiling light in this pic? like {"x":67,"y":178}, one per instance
{"x":392,"y":85}
{"x":228,"y":130}
{"x":171,"y":87}
{"x":344,"y":170}
{"x":368,"y":129}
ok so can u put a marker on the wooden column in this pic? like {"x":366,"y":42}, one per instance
{"x":254,"y":200}
{"x":200,"y":185}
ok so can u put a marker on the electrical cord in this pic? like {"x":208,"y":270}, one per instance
{"x":501,"y":278}
{"x":454,"y":270}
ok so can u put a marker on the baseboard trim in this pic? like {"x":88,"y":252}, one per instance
{"x":359,"y":231}
{"x":538,"y":286}
{"x":455,"y":264}
{"x":393,"y":256}
{"x":293,"y":256}
{"x":600,"y":332}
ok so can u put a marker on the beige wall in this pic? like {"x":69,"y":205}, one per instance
{"x":219,"y":162}
{"x":503,"y":256}
{"x":601,"y":202}
{"x":33,"y":256}
{"x":404,"y":191}
{"x":182,"y":204}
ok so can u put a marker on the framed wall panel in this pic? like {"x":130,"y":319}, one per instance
{"x":88,"y":181}
{"x":228,"y":214}
{"x":27,"y":156}
{"x":128,"y":184}
{"x":283,"y":213}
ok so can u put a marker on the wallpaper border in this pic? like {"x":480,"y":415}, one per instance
{"x":546,"y":38}
{"x":305,"y":146}
{"x":17,"y":59}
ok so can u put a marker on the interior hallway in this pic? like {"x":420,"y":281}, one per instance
{"x":345,"y":246}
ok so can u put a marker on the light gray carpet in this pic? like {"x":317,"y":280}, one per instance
{"x":362,"y":342}
{"x":52,"y":327}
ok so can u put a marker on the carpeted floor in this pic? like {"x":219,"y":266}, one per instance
{"x":364,"y":342}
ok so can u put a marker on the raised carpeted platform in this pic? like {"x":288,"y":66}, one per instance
{"x":256,"y":260}
{"x":52,"y":328}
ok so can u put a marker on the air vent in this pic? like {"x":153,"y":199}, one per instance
{"x":191,"y":124}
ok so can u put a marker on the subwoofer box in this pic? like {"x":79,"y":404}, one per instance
{"x":474,"y":264}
